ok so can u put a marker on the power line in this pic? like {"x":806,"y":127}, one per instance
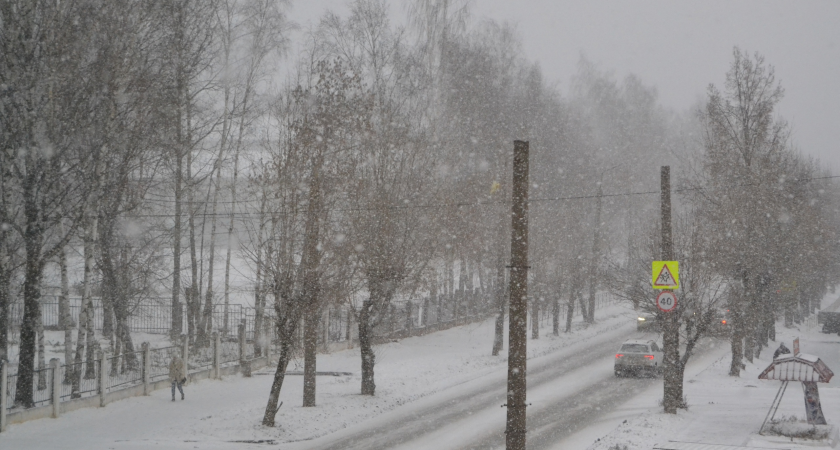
{"x":455,"y":204}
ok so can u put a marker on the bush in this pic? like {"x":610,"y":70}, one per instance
{"x":792,"y":427}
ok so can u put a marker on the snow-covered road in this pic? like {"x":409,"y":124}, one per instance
{"x":566,"y":392}
{"x":569,"y":385}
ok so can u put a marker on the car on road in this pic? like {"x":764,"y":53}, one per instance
{"x":638,"y":357}
{"x":647,"y":322}
{"x":719,"y":326}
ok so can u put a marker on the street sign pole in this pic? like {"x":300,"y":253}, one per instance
{"x":672,"y":395}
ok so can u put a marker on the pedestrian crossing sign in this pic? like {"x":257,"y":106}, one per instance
{"x":665,"y":275}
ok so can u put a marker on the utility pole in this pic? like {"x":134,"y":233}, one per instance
{"x":593,"y":262}
{"x":517,"y":340}
{"x":670,"y":335}
{"x":596,"y":250}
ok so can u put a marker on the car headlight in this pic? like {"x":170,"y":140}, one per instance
{"x":641,"y":319}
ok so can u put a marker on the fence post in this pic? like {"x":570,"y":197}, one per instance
{"x":147,"y":368}
{"x":103,"y":378}
{"x":55,"y":365}
{"x":185,"y":355}
{"x":4,"y":379}
{"x":217,"y":356}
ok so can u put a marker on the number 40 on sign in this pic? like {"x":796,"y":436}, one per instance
{"x":666,"y":301}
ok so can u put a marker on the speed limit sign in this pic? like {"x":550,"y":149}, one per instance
{"x":666,"y":301}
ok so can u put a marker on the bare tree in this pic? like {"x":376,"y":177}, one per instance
{"x":743,"y":143}
{"x":44,"y":114}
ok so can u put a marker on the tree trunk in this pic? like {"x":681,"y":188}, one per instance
{"x":310,"y":344}
{"x":535,"y":317}
{"x":584,"y":312}
{"x":176,"y":313}
{"x":207,"y":319}
{"x":736,"y":340}
{"x":76,"y":372}
{"x":31,"y":312}
{"x":42,"y":363}
{"x":5,"y":280}
{"x":310,"y":262}
{"x":258,"y":322}
{"x":570,"y":308}
{"x":91,"y":236}
{"x":287,"y":327}
{"x":65,"y":318}
{"x":107,"y":315}
{"x":33,"y":271}
{"x":462,"y":285}
{"x":555,"y":314}
{"x":230,"y":237}
{"x":259,"y":294}
{"x":593,"y":261}
{"x":366,"y":348}
{"x":499,"y":333}
{"x":193,"y":297}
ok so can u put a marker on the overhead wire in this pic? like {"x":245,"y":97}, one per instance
{"x":449,"y":204}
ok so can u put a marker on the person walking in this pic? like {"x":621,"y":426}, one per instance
{"x":177,"y":374}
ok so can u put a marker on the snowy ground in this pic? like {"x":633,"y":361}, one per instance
{"x":419,"y":372}
{"x":726,"y":410}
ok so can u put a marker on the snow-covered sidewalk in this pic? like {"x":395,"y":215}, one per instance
{"x":726,"y":410}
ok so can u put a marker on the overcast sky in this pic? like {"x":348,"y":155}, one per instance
{"x":680,"y":47}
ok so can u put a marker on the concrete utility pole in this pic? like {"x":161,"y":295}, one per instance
{"x":517,"y":339}
{"x":670,"y":335}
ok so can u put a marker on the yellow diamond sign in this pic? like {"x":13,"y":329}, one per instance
{"x":666,"y":275}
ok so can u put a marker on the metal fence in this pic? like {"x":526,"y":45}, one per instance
{"x":80,"y":379}
{"x":152,"y":315}
{"x":160,"y":359}
{"x":9,"y":390}
{"x":125,"y":370}
{"x":41,"y":388}
{"x":200,"y":357}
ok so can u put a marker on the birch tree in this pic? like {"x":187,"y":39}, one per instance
{"x":43,"y":142}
